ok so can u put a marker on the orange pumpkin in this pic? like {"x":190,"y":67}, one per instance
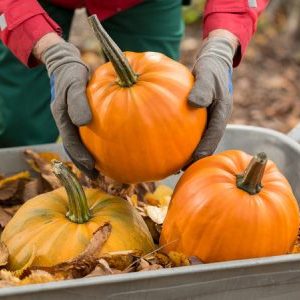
{"x":229,"y":206}
{"x":142,"y":128}
{"x":57,"y":226}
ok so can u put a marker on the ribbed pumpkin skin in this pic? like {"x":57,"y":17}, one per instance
{"x":41,"y":224}
{"x":211,"y":218}
{"x":145,"y":132}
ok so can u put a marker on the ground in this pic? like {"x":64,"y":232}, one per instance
{"x":266,"y":84}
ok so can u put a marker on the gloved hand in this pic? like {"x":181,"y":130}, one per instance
{"x":69,"y":106}
{"x":213,"y":89}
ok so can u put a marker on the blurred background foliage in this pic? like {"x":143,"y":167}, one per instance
{"x":266,"y":83}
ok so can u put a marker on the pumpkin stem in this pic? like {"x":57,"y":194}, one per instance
{"x":250,"y":181}
{"x":119,"y":61}
{"x":78,"y":207}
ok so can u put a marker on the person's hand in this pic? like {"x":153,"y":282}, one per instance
{"x":213,"y":89}
{"x":69,"y":105}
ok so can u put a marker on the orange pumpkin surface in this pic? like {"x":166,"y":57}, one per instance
{"x":221,"y":212}
{"x":142,"y":128}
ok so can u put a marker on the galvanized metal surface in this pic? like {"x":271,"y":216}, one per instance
{"x":264,"y":278}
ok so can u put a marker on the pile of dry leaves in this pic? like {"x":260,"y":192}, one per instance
{"x":150,"y":201}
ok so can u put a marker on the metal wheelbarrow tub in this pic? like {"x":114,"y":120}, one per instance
{"x":275,"y":277}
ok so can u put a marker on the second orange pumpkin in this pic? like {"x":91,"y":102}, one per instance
{"x":143,"y":128}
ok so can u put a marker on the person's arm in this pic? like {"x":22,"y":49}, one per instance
{"x":33,"y":37}
{"x":22,"y":24}
{"x":228,"y":28}
{"x":236,"y":16}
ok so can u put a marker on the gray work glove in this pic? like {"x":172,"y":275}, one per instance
{"x":213,"y":89}
{"x":69,"y":105}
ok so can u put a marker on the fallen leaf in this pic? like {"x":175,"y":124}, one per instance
{"x":85,"y":262}
{"x":11,"y":210}
{"x":11,"y":188}
{"x":156,"y":214}
{"x":33,"y":188}
{"x":40,"y":163}
{"x":160,"y":197}
{"x":122,"y":259}
{"x":194,"y":260}
{"x":22,"y":175}
{"x":3,"y":254}
{"x":27,"y":265}
{"x":7,"y":278}
{"x":151,"y":268}
{"x":39,"y":276}
{"x":4,"y":217}
{"x":178,"y":259}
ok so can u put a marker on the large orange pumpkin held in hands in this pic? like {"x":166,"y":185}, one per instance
{"x":231,"y":206}
{"x":57,"y":226}
{"x":142,"y":128}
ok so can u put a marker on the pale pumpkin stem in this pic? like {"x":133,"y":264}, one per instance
{"x":250,"y":181}
{"x":121,"y":65}
{"x":78,"y":207}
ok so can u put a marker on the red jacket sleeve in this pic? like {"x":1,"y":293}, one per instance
{"x":237,"y":16}
{"x":22,"y":24}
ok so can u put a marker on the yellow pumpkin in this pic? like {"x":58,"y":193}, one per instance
{"x":57,"y":226}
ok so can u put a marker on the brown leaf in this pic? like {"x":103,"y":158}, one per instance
{"x":4,"y":217}
{"x":103,"y":268}
{"x":3,"y":254}
{"x":99,"y":238}
{"x":7,"y":278}
{"x":12,"y":209}
{"x":151,"y":268}
{"x":11,"y":188}
{"x":122,"y":259}
{"x":194,"y":260}
{"x":41,"y":163}
{"x":85,"y":262}
{"x":178,"y":259}
{"x":39,"y":276}
{"x":33,"y":188}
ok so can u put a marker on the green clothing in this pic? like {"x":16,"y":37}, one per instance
{"x":25,"y":117}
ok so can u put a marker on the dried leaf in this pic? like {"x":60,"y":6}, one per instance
{"x":156,"y":214}
{"x":3,"y":254}
{"x":13,"y":178}
{"x":103,"y":268}
{"x":7,"y":278}
{"x":99,"y":238}
{"x":86,"y":262}
{"x":4,"y":217}
{"x":153,"y":228}
{"x":33,"y":188}
{"x":40,"y":163}
{"x":151,"y":268}
{"x":178,"y":259}
{"x":11,"y":188}
{"x":143,"y":264}
{"x":12,"y":209}
{"x":27,"y":265}
{"x":160,"y":197}
{"x":194,"y":260}
{"x":122,"y":259}
{"x":39,"y":276}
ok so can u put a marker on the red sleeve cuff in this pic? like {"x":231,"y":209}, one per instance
{"x":24,"y":37}
{"x":26,"y":22}
{"x":240,"y":24}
